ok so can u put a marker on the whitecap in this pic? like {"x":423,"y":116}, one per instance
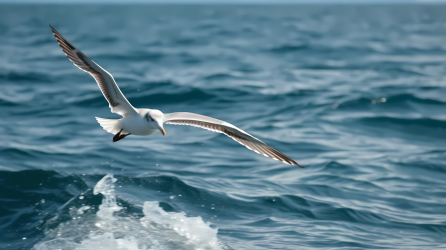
{"x":105,"y":229}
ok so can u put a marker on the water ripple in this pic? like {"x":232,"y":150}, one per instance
{"x":359,"y":103}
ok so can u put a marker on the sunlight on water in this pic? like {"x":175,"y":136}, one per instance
{"x":106,"y":230}
{"x":355,"y":93}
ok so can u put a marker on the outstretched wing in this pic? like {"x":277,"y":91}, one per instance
{"x":247,"y":140}
{"x":117,"y":101}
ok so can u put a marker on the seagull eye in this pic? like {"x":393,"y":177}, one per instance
{"x":149,"y":117}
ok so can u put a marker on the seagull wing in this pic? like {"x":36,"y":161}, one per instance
{"x":117,"y":101}
{"x":247,"y":140}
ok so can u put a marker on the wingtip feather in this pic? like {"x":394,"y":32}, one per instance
{"x":297,"y":164}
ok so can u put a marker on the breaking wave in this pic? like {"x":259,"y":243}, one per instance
{"x":107,"y":229}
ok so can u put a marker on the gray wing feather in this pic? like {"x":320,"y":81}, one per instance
{"x":215,"y":125}
{"x":117,"y":101}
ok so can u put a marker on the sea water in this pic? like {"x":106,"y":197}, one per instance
{"x":355,"y":94}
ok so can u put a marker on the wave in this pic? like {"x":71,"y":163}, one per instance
{"x":131,"y":56}
{"x":179,"y":95}
{"x":14,"y":76}
{"x":69,"y":215}
{"x":390,"y":101}
{"x":33,"y":196}
{"x":108,"y":229}
{"x":285,"y":48}
{"x":7,"y":103}
{"x":405,"y":124}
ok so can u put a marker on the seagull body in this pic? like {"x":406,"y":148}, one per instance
{"x":147,"y":121}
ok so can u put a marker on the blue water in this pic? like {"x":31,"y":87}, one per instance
{"x":356,"y":94}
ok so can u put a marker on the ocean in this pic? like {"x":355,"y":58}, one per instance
{"x":354,"y":93}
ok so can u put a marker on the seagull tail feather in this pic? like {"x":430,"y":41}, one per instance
{"x":113,"y":126}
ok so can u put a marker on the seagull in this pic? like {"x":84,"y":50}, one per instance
{"x":136,"y":121}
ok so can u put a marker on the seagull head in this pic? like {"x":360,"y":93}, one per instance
{"x":155,"y":118}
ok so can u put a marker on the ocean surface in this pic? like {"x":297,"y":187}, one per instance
{"x":356,"y":94}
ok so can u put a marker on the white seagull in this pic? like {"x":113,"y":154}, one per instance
{"x":147,"y":121}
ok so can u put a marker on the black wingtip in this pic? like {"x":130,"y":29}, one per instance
{"x":296,"y":164}
{"x":53,"y":30}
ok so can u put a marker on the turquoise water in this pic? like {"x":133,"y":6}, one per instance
{"x":356,"y":94}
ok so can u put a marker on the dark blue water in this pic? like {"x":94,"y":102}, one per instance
{"x":356,"y":94}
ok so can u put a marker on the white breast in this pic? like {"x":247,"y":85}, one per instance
{"x":137,"y":125}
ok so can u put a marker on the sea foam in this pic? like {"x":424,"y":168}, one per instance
{"x":105,"y":229}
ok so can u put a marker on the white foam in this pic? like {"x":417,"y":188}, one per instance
{"x":157,"y":230}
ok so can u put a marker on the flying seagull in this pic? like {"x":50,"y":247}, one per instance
{"x":147,"y":121}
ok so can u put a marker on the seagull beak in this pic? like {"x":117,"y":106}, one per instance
{"x":161,"y":129}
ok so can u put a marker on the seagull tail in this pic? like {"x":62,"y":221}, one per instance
{"x":113,"y":126}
